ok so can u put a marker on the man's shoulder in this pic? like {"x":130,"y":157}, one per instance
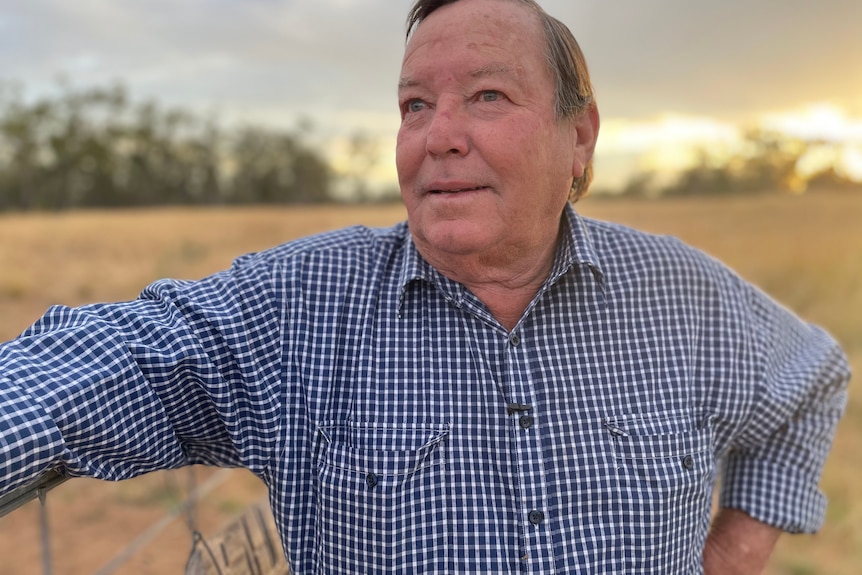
{"x":621,"y":240}
{"x":342,"y":244}
{"x":629,"y":252}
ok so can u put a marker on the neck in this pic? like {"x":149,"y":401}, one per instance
{"x":505,"y":283}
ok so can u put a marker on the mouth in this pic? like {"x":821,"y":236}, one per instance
{"x":457,"y":190}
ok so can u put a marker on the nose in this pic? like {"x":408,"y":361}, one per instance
{"x":447,"y":131}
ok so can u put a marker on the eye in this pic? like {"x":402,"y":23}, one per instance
{"x":414,"y":105}
{"x":490,"y":96}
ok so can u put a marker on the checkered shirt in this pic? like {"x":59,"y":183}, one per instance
{"x":401,"y":429}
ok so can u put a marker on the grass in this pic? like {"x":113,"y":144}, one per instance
{"x":806,"y":251}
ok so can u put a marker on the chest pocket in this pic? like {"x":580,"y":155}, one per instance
{"x":382,"y":498}
{"x":666,"y":473}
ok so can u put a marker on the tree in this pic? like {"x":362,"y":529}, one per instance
{"x":96,"y":148}
{"x":270,"y":167}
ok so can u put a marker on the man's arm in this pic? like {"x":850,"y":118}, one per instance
{"x":188,"y":373}
{"x":773,"y":466}
{"x":738,"y":544}
{"x":770,"y":475}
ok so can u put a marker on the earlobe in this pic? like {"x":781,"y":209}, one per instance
{"x":586,"y":126}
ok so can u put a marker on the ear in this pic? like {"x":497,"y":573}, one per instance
{"x":586,"y":125}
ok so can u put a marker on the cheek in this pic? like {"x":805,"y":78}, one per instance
{"x":516,"y":144}
{"x":408,"y":156}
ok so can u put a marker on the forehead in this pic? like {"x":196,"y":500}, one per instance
{"x":498,"y":35}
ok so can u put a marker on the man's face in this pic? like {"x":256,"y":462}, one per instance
{"x":484,"y":167}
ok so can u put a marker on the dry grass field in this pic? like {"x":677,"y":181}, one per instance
{"x":806,"y":251}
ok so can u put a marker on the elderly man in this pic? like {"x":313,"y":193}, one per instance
{"x":496,"y":386}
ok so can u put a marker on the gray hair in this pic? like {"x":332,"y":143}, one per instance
{"x":573,"y":91}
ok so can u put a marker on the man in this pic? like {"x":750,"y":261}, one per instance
{"x":497,"y":386}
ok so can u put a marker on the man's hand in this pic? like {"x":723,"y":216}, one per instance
{"x":738,"y":544}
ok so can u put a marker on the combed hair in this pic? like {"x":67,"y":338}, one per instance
{"x":573,"y":91}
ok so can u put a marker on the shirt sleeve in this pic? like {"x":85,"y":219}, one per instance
{"x":773,"y":470}
{"x":187,"y":373}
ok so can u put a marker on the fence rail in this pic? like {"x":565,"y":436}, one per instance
{"x":26,"y":493}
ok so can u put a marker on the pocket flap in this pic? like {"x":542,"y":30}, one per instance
{"x":661,"y":435}
{"x":389,"y":450}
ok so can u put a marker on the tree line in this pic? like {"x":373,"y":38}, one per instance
{"x":766,"y":162}
{"x":95,"y":147}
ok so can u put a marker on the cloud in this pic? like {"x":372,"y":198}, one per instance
{"x":236,"y":55}
{"x":718,"y":58}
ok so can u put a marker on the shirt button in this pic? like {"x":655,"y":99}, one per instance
{"x":371,"y":480}
{"x":688,"y":462}
{"x":514,"y":340}
{"x":526,"y":421}
{"x":536,"y":517}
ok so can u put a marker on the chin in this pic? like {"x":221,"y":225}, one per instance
{"x":458,"y":239}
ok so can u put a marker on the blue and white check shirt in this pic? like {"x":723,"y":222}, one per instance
{"x":401,"y":429}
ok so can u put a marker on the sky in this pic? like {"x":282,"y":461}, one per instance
{"x":668,"y":74}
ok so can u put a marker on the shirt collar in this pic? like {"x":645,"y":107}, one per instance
{"x":576,"y":249}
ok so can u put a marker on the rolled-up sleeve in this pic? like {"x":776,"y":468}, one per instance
{"x":773,"y":470}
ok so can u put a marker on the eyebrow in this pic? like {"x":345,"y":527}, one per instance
{"x":407,"y":83}
{"x":492,"y":69}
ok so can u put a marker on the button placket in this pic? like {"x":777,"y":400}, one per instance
{"x":536,"y":542}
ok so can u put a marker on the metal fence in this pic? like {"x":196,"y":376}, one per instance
{"x":247,"y":546}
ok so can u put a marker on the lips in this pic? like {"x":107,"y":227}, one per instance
{"x":456,"y":190}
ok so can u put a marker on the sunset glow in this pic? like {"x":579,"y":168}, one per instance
{"x":671,"y":143}
{"x":817,"y":122}
{"x":619,"y":135}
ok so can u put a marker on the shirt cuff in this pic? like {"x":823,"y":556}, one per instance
{"x":772,"y":493}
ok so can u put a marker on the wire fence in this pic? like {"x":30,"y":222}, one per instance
{"x":247,"y":546}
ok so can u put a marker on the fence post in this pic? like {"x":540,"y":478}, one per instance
{"x":45,"y":532}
